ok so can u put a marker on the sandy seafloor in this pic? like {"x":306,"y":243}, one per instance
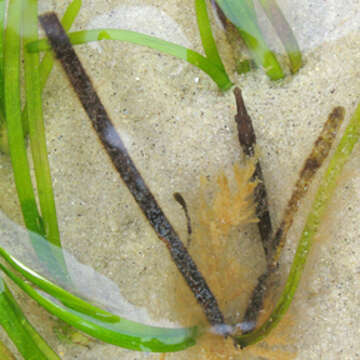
{"x":177,"y":126}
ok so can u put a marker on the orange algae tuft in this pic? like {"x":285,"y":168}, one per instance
{"x":214,"y":245}
{"x":229,"y":208}
{"x":222,"y":212}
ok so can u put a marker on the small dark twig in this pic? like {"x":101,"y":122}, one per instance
{"x":123,"y":163}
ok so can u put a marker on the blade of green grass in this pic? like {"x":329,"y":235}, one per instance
{"x":284,"y":32}
{"x":2,"y":27}
{"x":325,"y":191}
{"x":46,"y":66}
{"x":124,"y":333}
{"x":242,"y":14}
{"x":17,"y":145}
{"x":57,"y":292}
{"x":80,"y":37}
{"x":4,"y":147}
{"x":37,"y":137}
{"x":29,"y":343}
{"x":13,"y":119}
{"x":206,"y":36}
{"x":47,"y":62}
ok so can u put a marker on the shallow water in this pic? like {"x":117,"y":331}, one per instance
{"x":177,"y":126}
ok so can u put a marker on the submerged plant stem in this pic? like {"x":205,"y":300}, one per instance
{"x":29,"y":343}
{"x":284,"y":32}
{"x":247,"y":139}
{"x":95,"y":321}
{"x":38,"y":141}
{"x":123,"y":163}
{"x":276,"y":244}
{"x":123,"y":333}
{"x":17,"y":144}
{"x":47,"y":61}
{"x":242,"y":14}
{"x":207,"y":38}
{"x":312,"y":164}
{"x":3,"y":135}
{"x":323,"y":196}
{"x":80,"y":37}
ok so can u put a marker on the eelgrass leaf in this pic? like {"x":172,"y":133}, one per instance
{"x":124,"y":333}
{"x":26,"y":339}
{"x":38,"y":140}
{"x":3,"y":136}
{"x":13,"y":119}
{"x":20,"y":164}
{"x":47,"y":61}
{"x":284,"y":32}
{"x":324,"y":193}
{"x":2,"y":27}
{"x":206,"y":35}
{"x":80,"y":37}
{"x":242,"y":14}
{"x":57,"y":292}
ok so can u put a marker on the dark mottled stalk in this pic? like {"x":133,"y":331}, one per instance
{"x":247,"y":140}
{"x":320,"y":151}
{"x":123,"y":163}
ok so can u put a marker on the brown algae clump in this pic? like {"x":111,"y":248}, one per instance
{"x":214,"y":243}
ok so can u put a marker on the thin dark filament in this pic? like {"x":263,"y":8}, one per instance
{"x":181,"y":201}
{"x":123,"y":163}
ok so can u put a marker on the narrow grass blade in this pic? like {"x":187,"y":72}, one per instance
{"x":325,"y":191}
{"x":57,"y":292}
{"x":207,"y":38}
{"x":29,"y":343}
{"x":3,"y":136}
{"x":37,"y":138}
{"x":242,"y":15}
{"x":21,"y":170}
{"x":284,"y":32}
{"x":47,"y":61}
{"x":2,"y":27}
{"x":194,"y":58}
{"x":13,"y":118}
{"x":124,"y":333}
